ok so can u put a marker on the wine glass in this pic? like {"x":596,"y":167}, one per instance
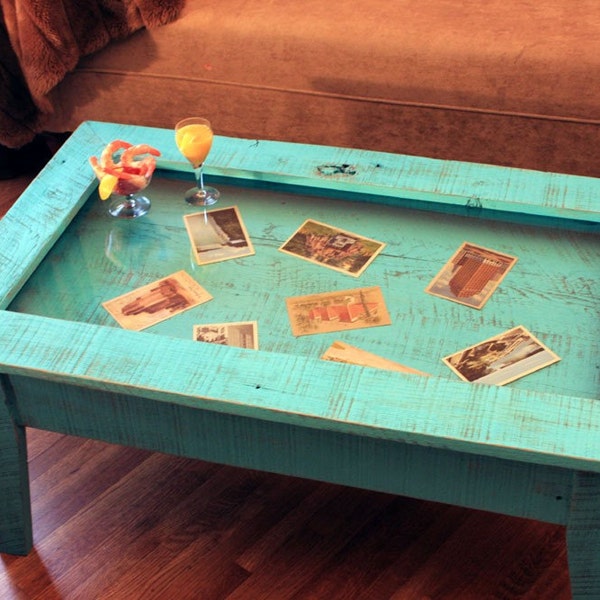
{"x":194,"y":137}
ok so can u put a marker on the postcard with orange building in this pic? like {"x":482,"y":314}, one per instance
{"x":332,"y":247}
{"x":337,"y":311}
{"x":471,"y":275}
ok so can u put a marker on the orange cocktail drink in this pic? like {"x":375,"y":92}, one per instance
{"x":194,"y":142}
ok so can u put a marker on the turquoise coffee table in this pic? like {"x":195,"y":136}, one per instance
{"x":529,"y":449}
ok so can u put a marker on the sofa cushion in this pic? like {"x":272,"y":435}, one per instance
{"x":505,"y":81}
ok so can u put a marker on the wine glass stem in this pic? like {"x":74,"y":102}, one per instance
{"x":199,"y":177}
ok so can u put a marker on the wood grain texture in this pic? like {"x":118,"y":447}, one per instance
{"x":361,"y":461}
{"x":117,"y":522}
{"x":15,"y":511}
{"x":307,"y":391}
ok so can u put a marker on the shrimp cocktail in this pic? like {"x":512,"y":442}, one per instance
{"x":194,"y":138}
{"x":125,"y":170}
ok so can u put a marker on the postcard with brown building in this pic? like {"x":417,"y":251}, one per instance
{"x":157,"y":301}
{"x":471,"y":275}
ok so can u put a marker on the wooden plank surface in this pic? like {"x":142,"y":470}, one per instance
{"x":323,"y":453}
{"x":583,"y":535}
{"x":551,"y":290}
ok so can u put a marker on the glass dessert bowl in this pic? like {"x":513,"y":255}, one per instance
{"x":124,"y":170}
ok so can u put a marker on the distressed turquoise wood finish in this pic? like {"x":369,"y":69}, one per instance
{"x":15,"y":512}
{"x":529,"y":449}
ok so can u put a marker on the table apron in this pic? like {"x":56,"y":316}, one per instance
{"x":500,"y":485}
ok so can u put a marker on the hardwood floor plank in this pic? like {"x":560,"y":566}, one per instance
{"x":128,"y":535}
{"x":61,"y":495}
{"x":310,"y":553}
{"x":355,"y":570}
{"x":423,"y":537}
{"x":505,"y":551}
{"x":204,"y":529}
{"x":259,"y":554}
{"x":39,"y":442}
{"x":140,"y":525}
{"x":538,"y":570}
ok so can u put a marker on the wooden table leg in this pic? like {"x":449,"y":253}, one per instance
{"x":15,"y":508}
{"x":583,"y":536}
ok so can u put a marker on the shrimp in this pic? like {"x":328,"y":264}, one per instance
{"x":115,"y":170}
{"x":128,"y":156}
{"x":126,"y":166}
{"x":131,"y":174}
{"x":98,"y":170}
{"x":106,"y":158}
{"x":146,"y":165}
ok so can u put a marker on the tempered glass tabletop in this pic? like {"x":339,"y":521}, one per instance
{"x":552,"y":290}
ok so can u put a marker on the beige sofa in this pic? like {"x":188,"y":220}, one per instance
{"x":510,"y":82}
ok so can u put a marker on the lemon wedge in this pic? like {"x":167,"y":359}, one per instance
{"x":107,"y":185}
{"x":187,"y":144}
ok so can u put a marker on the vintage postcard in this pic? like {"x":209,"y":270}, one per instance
{"x":218,"y":235}
{"x":345,"y":353}
{"x":337,"y":311}
{"x":471,"y":275}
{"x":501,"y":359}
{"x":157,"y":301}
{"x":243,"y":334}
{"x":332,"y":247}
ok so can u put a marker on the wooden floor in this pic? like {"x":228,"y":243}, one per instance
{"x":10,"y":190}
{"x":120,"y":523}
{"x":114,"y":522}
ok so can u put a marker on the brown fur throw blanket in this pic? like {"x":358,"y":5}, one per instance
{"x":42,"y":40}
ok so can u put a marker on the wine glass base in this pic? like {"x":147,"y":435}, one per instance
{"x":202,"y":197}
{"x":129,"y":207}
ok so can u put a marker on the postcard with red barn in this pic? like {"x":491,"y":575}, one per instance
{"x":337,"y":311}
